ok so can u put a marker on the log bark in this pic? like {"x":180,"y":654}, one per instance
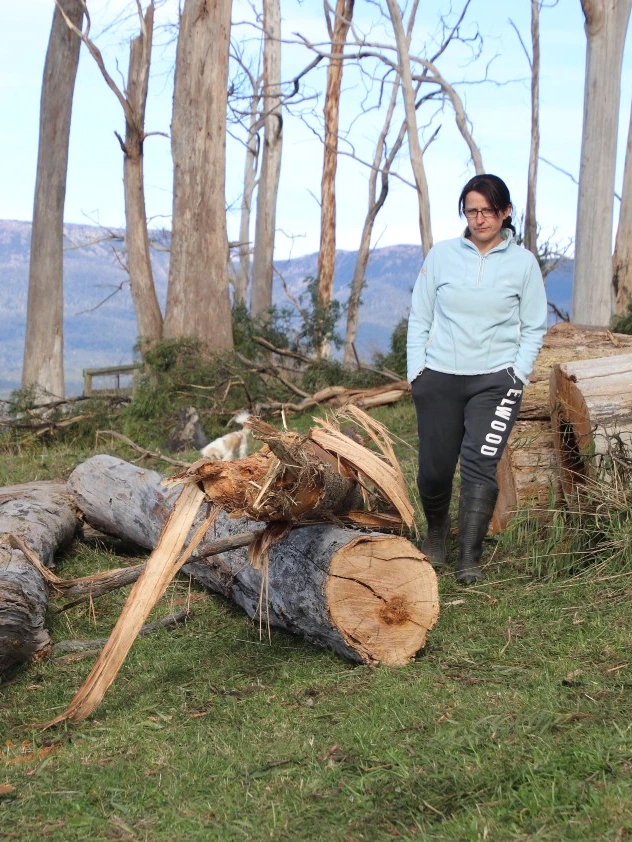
{"x":41,"y":514}
{"x":369,"y":597}
{"x":591,"y":416}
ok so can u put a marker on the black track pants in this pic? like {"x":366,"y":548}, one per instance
{"x":463,"y":415}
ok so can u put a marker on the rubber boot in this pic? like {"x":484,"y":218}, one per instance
{"x":437,"y":511}
{"x":476,"y":507}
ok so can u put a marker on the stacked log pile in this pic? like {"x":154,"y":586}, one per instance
{"x":531,"y":477}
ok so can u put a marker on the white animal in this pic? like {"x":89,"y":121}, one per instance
{"x":231,"y":445}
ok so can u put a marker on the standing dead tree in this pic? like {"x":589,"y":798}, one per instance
{"x":198,"y":302}
{"x":43,"y":348}
{"x":431,"y":75}
{"x":327,"y":251}
{"x":606,"y":23}
{"x":133,"y":101}
{"x":408,"y":94}
{"x":263,"y":257}
{"x":530,"y":221}
{"x":251,"y":159}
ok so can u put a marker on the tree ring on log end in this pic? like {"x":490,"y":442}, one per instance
{"x":383,"y":597}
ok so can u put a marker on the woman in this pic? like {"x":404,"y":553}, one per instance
{"x":477,"y":321}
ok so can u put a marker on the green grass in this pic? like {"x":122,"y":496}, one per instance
{"x":515,"y":723}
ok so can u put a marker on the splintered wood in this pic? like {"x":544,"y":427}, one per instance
{"x":369,"y":597}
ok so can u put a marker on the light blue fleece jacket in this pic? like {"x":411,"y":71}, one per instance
{"x":476,"y":313}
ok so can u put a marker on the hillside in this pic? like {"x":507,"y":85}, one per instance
{"x":99,"y":325}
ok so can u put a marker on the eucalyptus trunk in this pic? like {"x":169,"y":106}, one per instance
{"x":265,"y":225}
{"x":606,"y":22}
{"x":44,"y":343}
{"x":198,"y":301}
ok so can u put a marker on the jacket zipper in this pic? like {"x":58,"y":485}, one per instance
{"x":480,"y":269}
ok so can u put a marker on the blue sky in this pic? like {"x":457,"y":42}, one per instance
{"x":500,"y":116}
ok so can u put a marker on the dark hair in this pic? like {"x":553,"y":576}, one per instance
{"x":495,"y":191}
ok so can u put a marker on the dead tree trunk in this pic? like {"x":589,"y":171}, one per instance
{"x":416,"y":154}
{"x":375,"y":204}
{"x":243,"y":273}
{"x":606,"y":23}
{"x":265,"y":225}
{"x":43,"y":347}
{"x":41,"y":515}
{"x":369,"y":597}
{"x":530,"y":222}
{"x":146,"y":306}
{"x":622,"y":270}
{"x":133,"y":102}
{"x":198,"y":302}
{"x":327,"y":250}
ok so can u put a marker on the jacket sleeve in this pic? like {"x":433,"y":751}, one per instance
{"x":420,"y":319}
{"x":533,"y":322}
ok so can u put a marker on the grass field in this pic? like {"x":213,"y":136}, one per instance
{"x":515,"y":723}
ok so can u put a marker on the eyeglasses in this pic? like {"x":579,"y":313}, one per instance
{"x":487,"y":213}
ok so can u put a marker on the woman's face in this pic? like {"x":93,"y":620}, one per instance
{"x":484,"y":227}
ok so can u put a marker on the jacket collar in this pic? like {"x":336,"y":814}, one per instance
{"x":505,"y":233}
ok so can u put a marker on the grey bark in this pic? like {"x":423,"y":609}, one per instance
{"x":375,"y":204}
{"x":267,"y":191}
{"x":41,"y":515}
{"x":606,"y":22}
{"x":416,"y":154}
{"x":243,"y":273}
{"x":122,"y":499}
{"x":146,"y":306}
{"x":530,"y":221}
{"x":43,"y":347}
{"x":198,"y":301}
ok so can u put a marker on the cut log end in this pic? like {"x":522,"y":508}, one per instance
{"x":383,"y":597}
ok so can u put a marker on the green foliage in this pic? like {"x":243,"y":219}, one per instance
{"x":317,"y":320}
{"x":395,"y":360}
{"x":275,"y":326}
{"x":623,"y":323}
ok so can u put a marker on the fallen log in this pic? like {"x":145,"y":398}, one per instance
{"x":369,"y":597}
{"x":41,"y":514}
{"x":591,"y":415}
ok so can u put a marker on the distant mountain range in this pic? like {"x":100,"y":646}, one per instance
{"x":99,"y":323}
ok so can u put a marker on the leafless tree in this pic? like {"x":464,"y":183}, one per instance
{"x":606,"y":23}
{"x":530,"y":222}
{"x":268,"y":188}
{"x":408,"y":93}
{"x":133,"y":102}
{"x":338,"y":31}
{"x":251,"y":158}
{"x":43,"y":348}
{"x":198,"y":301}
